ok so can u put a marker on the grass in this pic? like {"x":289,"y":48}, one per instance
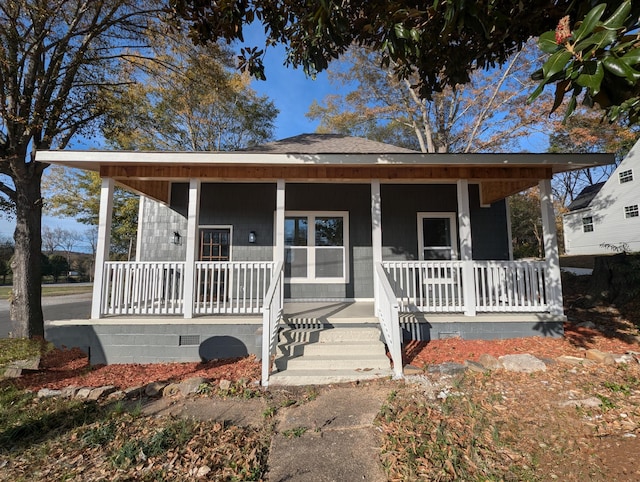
{"x":12,"y":349}
{"x":51,"y":290}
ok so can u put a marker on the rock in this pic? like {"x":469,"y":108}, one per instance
{"x":522,"y":363}
{"x":83,"y":392}
{"x":600,"y":357}
{"x":134,"y":392}
{"x":490,"y":362}
{"x":574,"y":360}
{"x":202,"y":471}
{"x":475,"y":366}
{"x":28,"y":364}
{"x":154,"y":389}
{"x":585,"y":402}
{"x":117,"y":395}
{"x":70,"y":392}
{"x":626,"y":358}
{"x":191,"y":385}
{"x":225,"y":384}
{"x":409,"y":370}
{"x":100,"y":392}
{"x":171,"y":390}
{"x":447,"y":368}
{"x":12,"y":372}
{"x":47,"y":393}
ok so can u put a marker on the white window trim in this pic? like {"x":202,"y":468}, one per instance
{"x":311,"y":240}
{"x":216,"y":226}
{"x":630,"y":209}
{"x":592,"y":224}
{"x":620,"y":181}
{"x":452,"y":216}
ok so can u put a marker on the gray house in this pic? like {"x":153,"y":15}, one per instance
{"x":285,"y":243}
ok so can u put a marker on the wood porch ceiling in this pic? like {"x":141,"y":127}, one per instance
{"x":497,"y":182}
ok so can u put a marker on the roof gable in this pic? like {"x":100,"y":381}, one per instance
{"x":585,"y":197}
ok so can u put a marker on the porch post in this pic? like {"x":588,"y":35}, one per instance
{"x":192,"y":247}
{"x":278,"y":249}
{"x":466,"y":252}
{"x":376,"y":236}
{"x":554,"y":283}
{"x":103,"y":245}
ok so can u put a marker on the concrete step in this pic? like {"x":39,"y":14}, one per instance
{"x":332,"y":362}
{"x":329,"y":335}
{"x":336,"y":348}
{"x":323,"y":377}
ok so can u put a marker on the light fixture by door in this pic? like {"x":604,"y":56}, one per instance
{"x":177,"y":238}
{"x":252,"y":237}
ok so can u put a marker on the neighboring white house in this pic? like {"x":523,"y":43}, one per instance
{"x":606,"y":216}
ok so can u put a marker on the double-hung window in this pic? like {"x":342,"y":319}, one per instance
{"x":587,"y":224}
{"x":316,"y":247}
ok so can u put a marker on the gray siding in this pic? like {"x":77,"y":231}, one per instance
{"x":156,"y":230}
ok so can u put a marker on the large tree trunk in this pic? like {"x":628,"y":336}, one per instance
{"x":26,"y":304}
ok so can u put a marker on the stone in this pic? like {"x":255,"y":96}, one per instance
{"x":524,"y":363}
{"x":600,"y":357}
{"x":574,"y":360}
{"x":171,"y":390}
{"x":84,"y":392}
{"x":191,"y":385}
{"x":117,"y":395}
{"x":448,"y":368}
{"x":28,"y":364}
{"x":626,"y":358}
{"x":412,"y":370}
{"x":154,"y":389}
{"x":12,"y":372}
{"x":134,"y":392}
{"x":475,"y":366}
{"x":202,"y":471}
{"x":100,"y":392}
{"x":70,"y":392}
{"x":47,"y":393}
{"x":225,"y":384}
{"x":591,"y":402}
{"x":490,"y":362}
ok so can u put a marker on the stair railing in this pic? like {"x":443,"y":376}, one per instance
{"x":387,"y":308}
{"x":271,"y":316}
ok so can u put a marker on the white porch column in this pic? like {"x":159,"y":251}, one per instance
{"x":376,"y":235}
{"x":192,"y":247}
{"x":466,"y":252}
{"x":103,"y":245}
{"x":554,"y":283}
{"x":278,"y":249}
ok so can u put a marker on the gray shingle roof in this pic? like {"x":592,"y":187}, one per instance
{"x":585,"y":197}
{"x":328,"y":144}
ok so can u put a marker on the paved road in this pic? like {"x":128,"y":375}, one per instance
{"x":64,"y":307}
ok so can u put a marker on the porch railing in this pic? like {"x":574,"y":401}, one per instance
{"x":231,"y":287}
{"x":387,"y":307}
{"x":498,"y":286}
{"x":142,"y":288}
{"x":271,"y":316}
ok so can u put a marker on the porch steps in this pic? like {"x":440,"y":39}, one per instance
{"x":323,"y":353}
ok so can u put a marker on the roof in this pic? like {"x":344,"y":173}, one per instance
{"x":328,"y":144}
{"x":585,"y":197}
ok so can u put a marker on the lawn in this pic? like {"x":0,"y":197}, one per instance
{"x":52,"y":290}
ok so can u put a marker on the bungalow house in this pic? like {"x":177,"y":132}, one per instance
{"x":316,"y":241}
{"x":605,"y":217}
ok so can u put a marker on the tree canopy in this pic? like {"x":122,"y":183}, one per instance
{"x":441,"y":42}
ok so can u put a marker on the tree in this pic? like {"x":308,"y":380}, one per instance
{"x":52,"y":239}
{"x":441,"y":42}
{"x":59,"y":265}
{"x":55,"y":57}
{"x":488,"y":114}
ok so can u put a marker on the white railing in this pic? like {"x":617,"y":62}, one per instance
{"x":387,"y":308}
{"x":498,"y":286}
{"x":231,"y":287}
{"x":142,"y":288}
{"x":510,"y":286}
{"x":271,"y":316}
{"x":428,"y":286}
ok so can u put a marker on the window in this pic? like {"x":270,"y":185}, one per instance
{"x":437,"y":236}
{"x":316,"y":247}
{"x":631,"y":211}
{"x":626,"y":176}
{"x":587,"y":224}
{"x":215,"y":244}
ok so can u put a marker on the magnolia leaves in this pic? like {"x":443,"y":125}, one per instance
{"x":598,"y":60}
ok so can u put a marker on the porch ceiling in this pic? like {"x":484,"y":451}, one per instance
{"x":150,"y":173}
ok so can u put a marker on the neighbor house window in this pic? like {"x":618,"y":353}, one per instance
{"x":631,"y":211}
{"x":626,"y":176}
{"x":316,"y":246}
{"x":587,"y":224}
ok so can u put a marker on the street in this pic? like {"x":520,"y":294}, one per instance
{"x":64,"y":307}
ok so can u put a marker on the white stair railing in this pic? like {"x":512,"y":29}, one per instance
{"x":271,"y":316}
{"x":387,"y":308}
{"x":142,"y":288}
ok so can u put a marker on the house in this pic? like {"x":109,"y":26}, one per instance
{"x":604,"y":218}
{"x":316,"y":231}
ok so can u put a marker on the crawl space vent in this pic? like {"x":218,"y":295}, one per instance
{"x":186,"y":340}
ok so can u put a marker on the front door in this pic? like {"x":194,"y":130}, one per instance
{"x":215,"y":246}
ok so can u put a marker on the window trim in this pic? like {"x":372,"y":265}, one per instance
{"x":311,"y":245}
{"x":589,"y":224}
{"x":631,"y":211}
{"x":215,"y":226}
{"x":627,"y":178}
{"x":452,"y":216}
